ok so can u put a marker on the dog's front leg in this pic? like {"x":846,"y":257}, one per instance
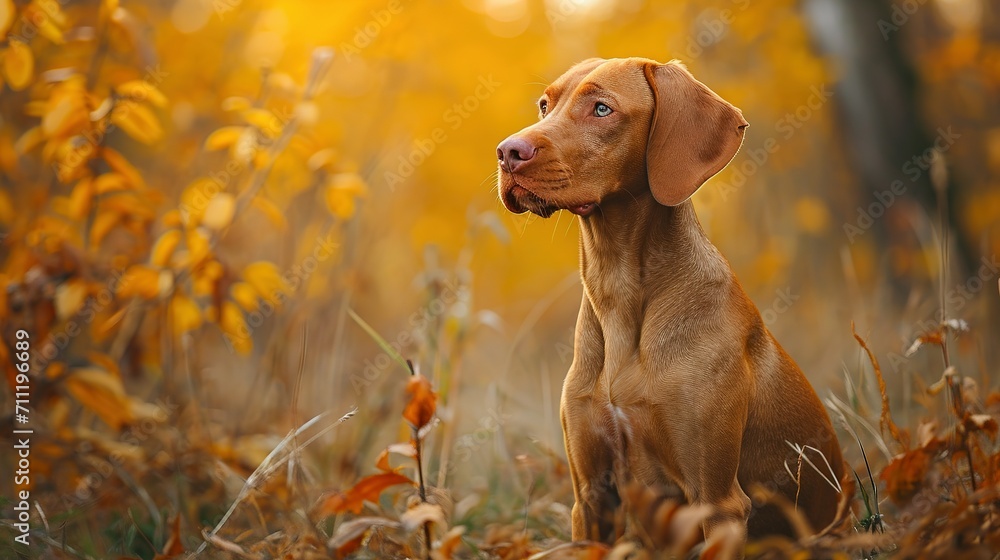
{"x":591,"y":466}
{"x":588,"y":451}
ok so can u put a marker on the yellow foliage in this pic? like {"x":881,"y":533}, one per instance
{"x":18,"y":65}
{"x":137,"y":121}
{"x":109,"y":182}
{"x":120,"y":165}
{"x":219,"y":212}
{"x":70,"y":296}
{"x":80,"y":199}
{"x":103,"y":394}
{"x":141,"y":90}
{"x":234,"y":326}
{"x":184,"y":313}
{"x":164,"y":248}
{"x":265,"y":278}
{"x":224,"y":137}
{"x":245,"y":295}
{"x":140,"y":281}
{"x":7,"y":13}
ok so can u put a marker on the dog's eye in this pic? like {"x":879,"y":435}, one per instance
{"x":543,"y":106}
{"x":601,"y":110}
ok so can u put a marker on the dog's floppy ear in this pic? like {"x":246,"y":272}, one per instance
{"x":693,"y":135}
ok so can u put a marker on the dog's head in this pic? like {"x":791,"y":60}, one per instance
{"x":607,"y":126}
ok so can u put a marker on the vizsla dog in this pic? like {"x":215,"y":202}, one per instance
{"x":675,"y":380}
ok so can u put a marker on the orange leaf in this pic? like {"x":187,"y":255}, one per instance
{"x":102,"y":393}
{"x":7,"y":13}
{"x":142,"y":90}
{"x":141,"y":281}
{"x":164,"y":248}
{"x":80,"y":198}
{"x":173,"y":547}
{"x":137,"y":121}
{"x":224,"y":137}
{"x":117,"y":162}
{"x":109,"y":182}
{"x":368,"y":488}
{"x":186,"y":314}
{"x":18,"y":65}
{"x":904,"y":476}
{"x":423,"y":401}
{"x":219,"y":212}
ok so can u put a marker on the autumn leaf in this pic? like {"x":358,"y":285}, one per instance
{"x":18,"y":65}
{"x":224,"y":137}
{"x":905,"y":474}
{"x":102,"y":393}
{"x":349,"y":535}
{"x":137,"y":121}
{"x":70,"y":296}
{"x":271,"y":212}
{"x":141,"y":281}
{"x":7,"y":13}
{"x":109,"y":182}
{"x":405,"y":449}
{"x":65,"y":113}
{"x":185,"y":314}
{"x":981,"y":423}
{"x":173,"y":547}
{"x":245,"y":296}
{"x":117,"y":162}
{"x":80,"y":198}
{"x":421,"y":514}
{"x":264,"y":121}
{"x":367,"y":489}
{"x":141,"y":90}
{"x":266,"y":280}
{"x":219,"y":212}
{"x":164,"y":248}
{"x":423,"y":401}
{"x":234,"y":325}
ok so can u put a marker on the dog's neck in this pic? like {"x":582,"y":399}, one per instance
{"x":655,"y":244}
{"x":634,"y":252}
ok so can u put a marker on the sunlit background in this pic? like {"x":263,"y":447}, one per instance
{"x":831,"y":213}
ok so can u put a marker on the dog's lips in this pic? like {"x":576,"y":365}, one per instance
{"x":519,"y":199}
{"x":583,"y":210}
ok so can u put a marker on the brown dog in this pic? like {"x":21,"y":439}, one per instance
{"x":675,"y":380}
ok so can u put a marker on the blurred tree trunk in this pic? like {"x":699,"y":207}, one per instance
{"x":877,"y":100}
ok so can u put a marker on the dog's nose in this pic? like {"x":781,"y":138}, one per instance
{"x":514,"y":152}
